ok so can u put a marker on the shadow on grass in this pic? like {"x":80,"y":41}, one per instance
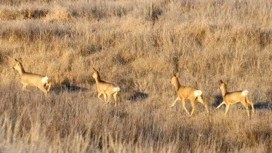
{"x":137,"y":96}
{"x":65,"y":86}
{"x":263,"y":105}
{"x":218,"y":100}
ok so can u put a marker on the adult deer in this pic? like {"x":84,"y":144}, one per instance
{"x":104,"y":88}
{"x":230,"y":98}
{"x":30,"y":79}
{"x":189,"y":93}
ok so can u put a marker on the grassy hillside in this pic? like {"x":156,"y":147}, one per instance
{"x":137,"y":45}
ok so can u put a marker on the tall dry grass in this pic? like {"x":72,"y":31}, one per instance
{"x":137,"y":45}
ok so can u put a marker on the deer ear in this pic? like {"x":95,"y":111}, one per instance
{"x":222,"y":81}
{"x":18,"y":60}
{"x":95,"y":69}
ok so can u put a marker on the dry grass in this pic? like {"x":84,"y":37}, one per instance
{"x":137,"y":45}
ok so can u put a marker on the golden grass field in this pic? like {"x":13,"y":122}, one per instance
{"x":137,"y":45}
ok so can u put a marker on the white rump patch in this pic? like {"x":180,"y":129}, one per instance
{"x":197,"y":93}
{"x":244,"y":93}
{"x":45,"y":79}
{"x":116,"y":89}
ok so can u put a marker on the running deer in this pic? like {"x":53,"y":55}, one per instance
{"x":30,"y":79}
{"x":230,"y":98}
{"x":106,"y":89}
{"x":190,"y":93}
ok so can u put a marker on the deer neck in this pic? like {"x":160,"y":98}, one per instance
{"x":21,"y":70}
{"x":224,"y":91}
{"x":176,"y":84}
{"x":97,"y":79}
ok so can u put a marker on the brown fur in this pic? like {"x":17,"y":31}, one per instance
{"x":106,"y":89}
{"x":230,"y":98}
{"x":30,"y":79}
{"x":184,"y":93}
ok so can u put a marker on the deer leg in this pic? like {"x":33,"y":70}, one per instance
{"x":49,"y":86}
{"x":24,"y":87}
{"x":99,"y":96}
{"x":184,"y":107}
{"x":43,"y":90}
{"x":251,"y":103}
{"x":109,"y":99}
{"x":105,"y":97}
{"x":227,"y":108}
{"x":175,"y":102}
{"x":115,"y":98}
{"x":200,"y":99}
{"x":192,"y":101}
{"x":223,"y":102}
{"x":246,"y":106}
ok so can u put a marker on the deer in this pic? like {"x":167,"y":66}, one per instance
{"x":106,"y":89}
{"x":230,"y":98}
{"x":187,"y":93}
{"x":31,"y":79}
